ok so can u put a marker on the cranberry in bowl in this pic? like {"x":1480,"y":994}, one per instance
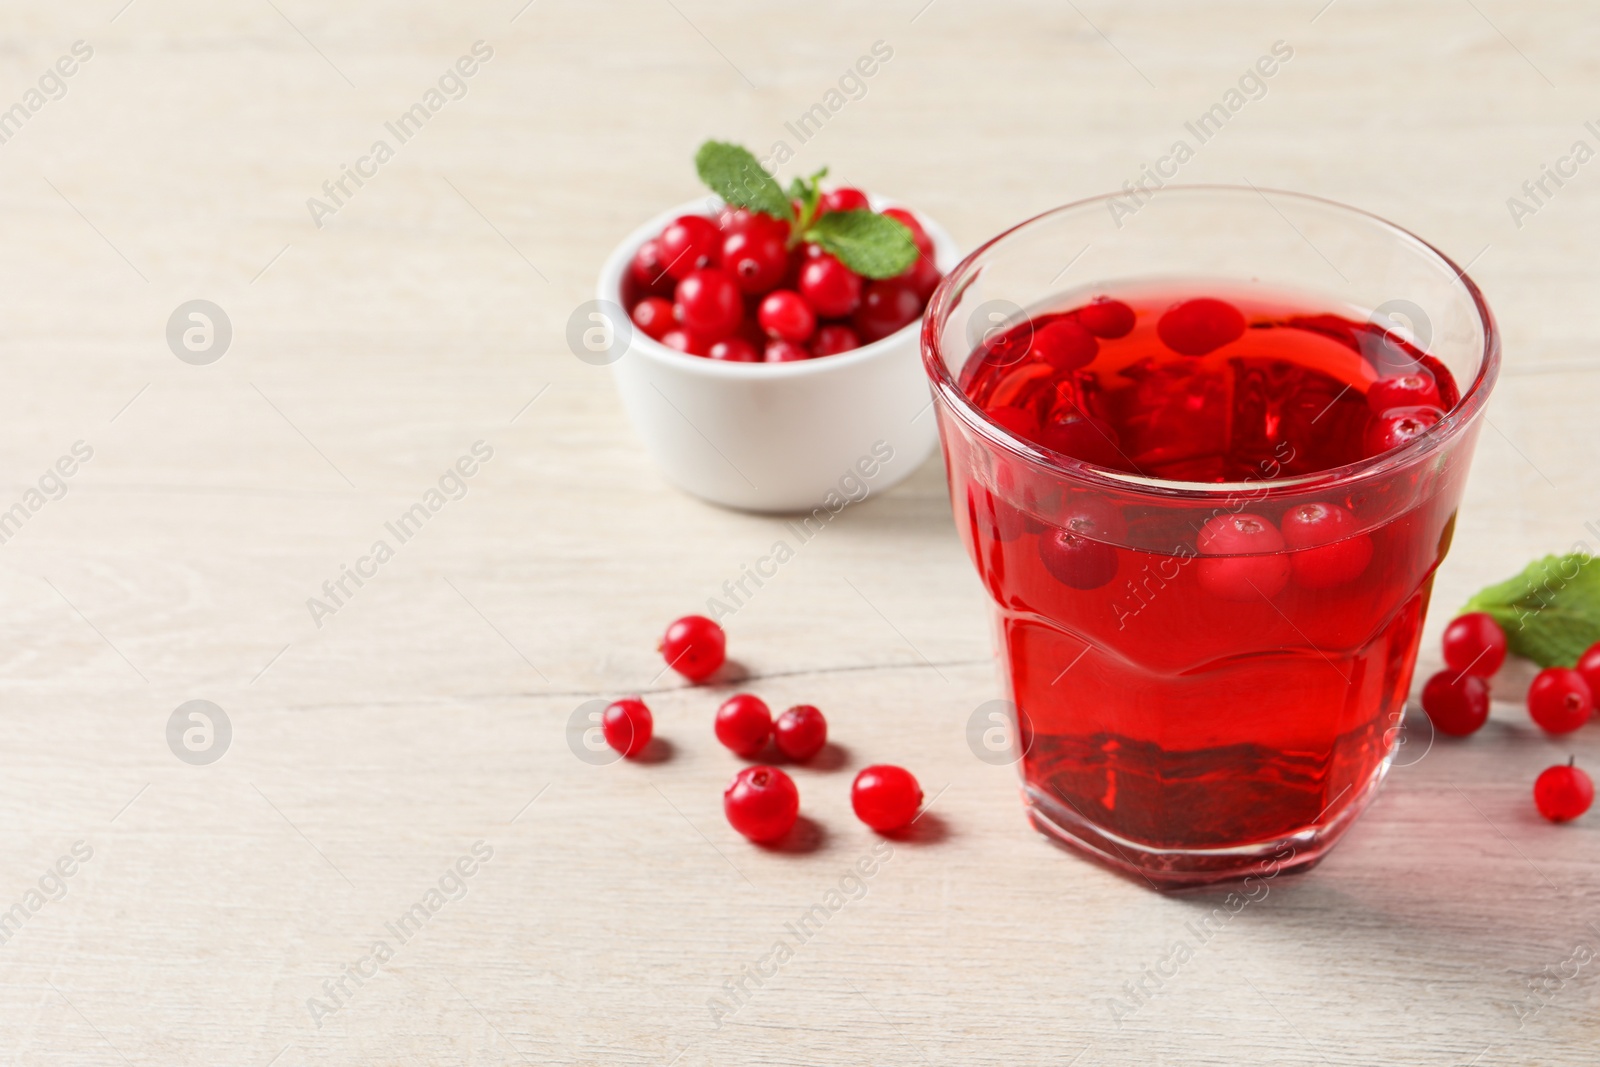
{"x":761,"y":371}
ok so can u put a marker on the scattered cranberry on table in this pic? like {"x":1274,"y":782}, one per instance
{"x":1559,"y":700}
{"x":801,"y":732}
{"x":743,"y":724}
{"x":885,"y":797}
{"x":1563,"y":792}
{"x":1457,"y":704}
{"x":1474,"y":644}
{"x":1589,"y":667}
{"x":761,"y":803}
{"x":627,"y":725}
{"x":694,"y":646}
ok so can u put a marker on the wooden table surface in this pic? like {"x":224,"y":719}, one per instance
{"x":157,"y":912}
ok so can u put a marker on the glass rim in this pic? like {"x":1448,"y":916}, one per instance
{"x":1463,"y":414}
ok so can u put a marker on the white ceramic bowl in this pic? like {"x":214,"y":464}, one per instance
{"x":777,"y":437}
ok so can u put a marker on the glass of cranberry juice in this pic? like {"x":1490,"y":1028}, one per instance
{"x":1206,"y":453}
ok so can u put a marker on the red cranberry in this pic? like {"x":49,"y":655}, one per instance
{"x":885,"y":797}
{"x":887,"y":305}
{"x":1589,"y":667}
{"x":690,"y":243}
{"x":785,"y":316}
{"x":1074,"y":559}
{"x":1325,"y":548}
{"x":627,"y":725}
{"x":834,"y":338}
{"x":649,"y":266}
{"x":1084,"y":437}
{"x":1403,"y":391}
{"x":757,"y":256}
{"x":761,"y":803}
{"x":1474,"y":644}
{"x":1563,"y":792}
{"x":832,"y":289}
{"x":923,"y":276}
{"x":801,"y":732}
{"x":686,"y":342}
{"x":1019,"y":421}
{"x":1243,"y":558}
{"x":734,"y":350}
{"x":739,"y":219}
{"x":1397,"y":426}
{"x":653,"y":315}
{"x":1106,"y":318}
{"x":1457,"y":704}
{"x":845,"y":198}
{"x":1065,"y":345}
{"x":694,"y":646}
{"x":1196,"y":327}
{"x":709,"y":304}
{"x":910,"y":222}
{"x":1559,"y":700}
{"x":743,"y":724}
{"x":784,"y":352}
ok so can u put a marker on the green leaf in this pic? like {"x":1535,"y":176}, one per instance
{"x":1550,"y":612}
{"x":734,"y":174}
{"x":872,"y":245}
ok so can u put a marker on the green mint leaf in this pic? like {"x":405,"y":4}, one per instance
{"x":797,"y":189}
{"x":872,"y":245}
{"x":1550,"y":612}
{"x":737,"y":176}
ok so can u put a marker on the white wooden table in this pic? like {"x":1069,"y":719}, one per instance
{"x":207,"y":905}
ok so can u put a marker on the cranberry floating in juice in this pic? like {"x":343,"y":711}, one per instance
{"x":1208,"y":505}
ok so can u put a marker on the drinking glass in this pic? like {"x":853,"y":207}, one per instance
{"x":1181,"y":736}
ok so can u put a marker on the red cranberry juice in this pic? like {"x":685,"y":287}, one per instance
{"x":1196,"y":674}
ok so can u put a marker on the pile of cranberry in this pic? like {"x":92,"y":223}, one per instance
{"x":742,"y":288}
{"x":1560,"y":700}
{"x":762,"y":802}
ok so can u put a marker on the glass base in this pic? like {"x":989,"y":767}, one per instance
{"x":1181,"y":868}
